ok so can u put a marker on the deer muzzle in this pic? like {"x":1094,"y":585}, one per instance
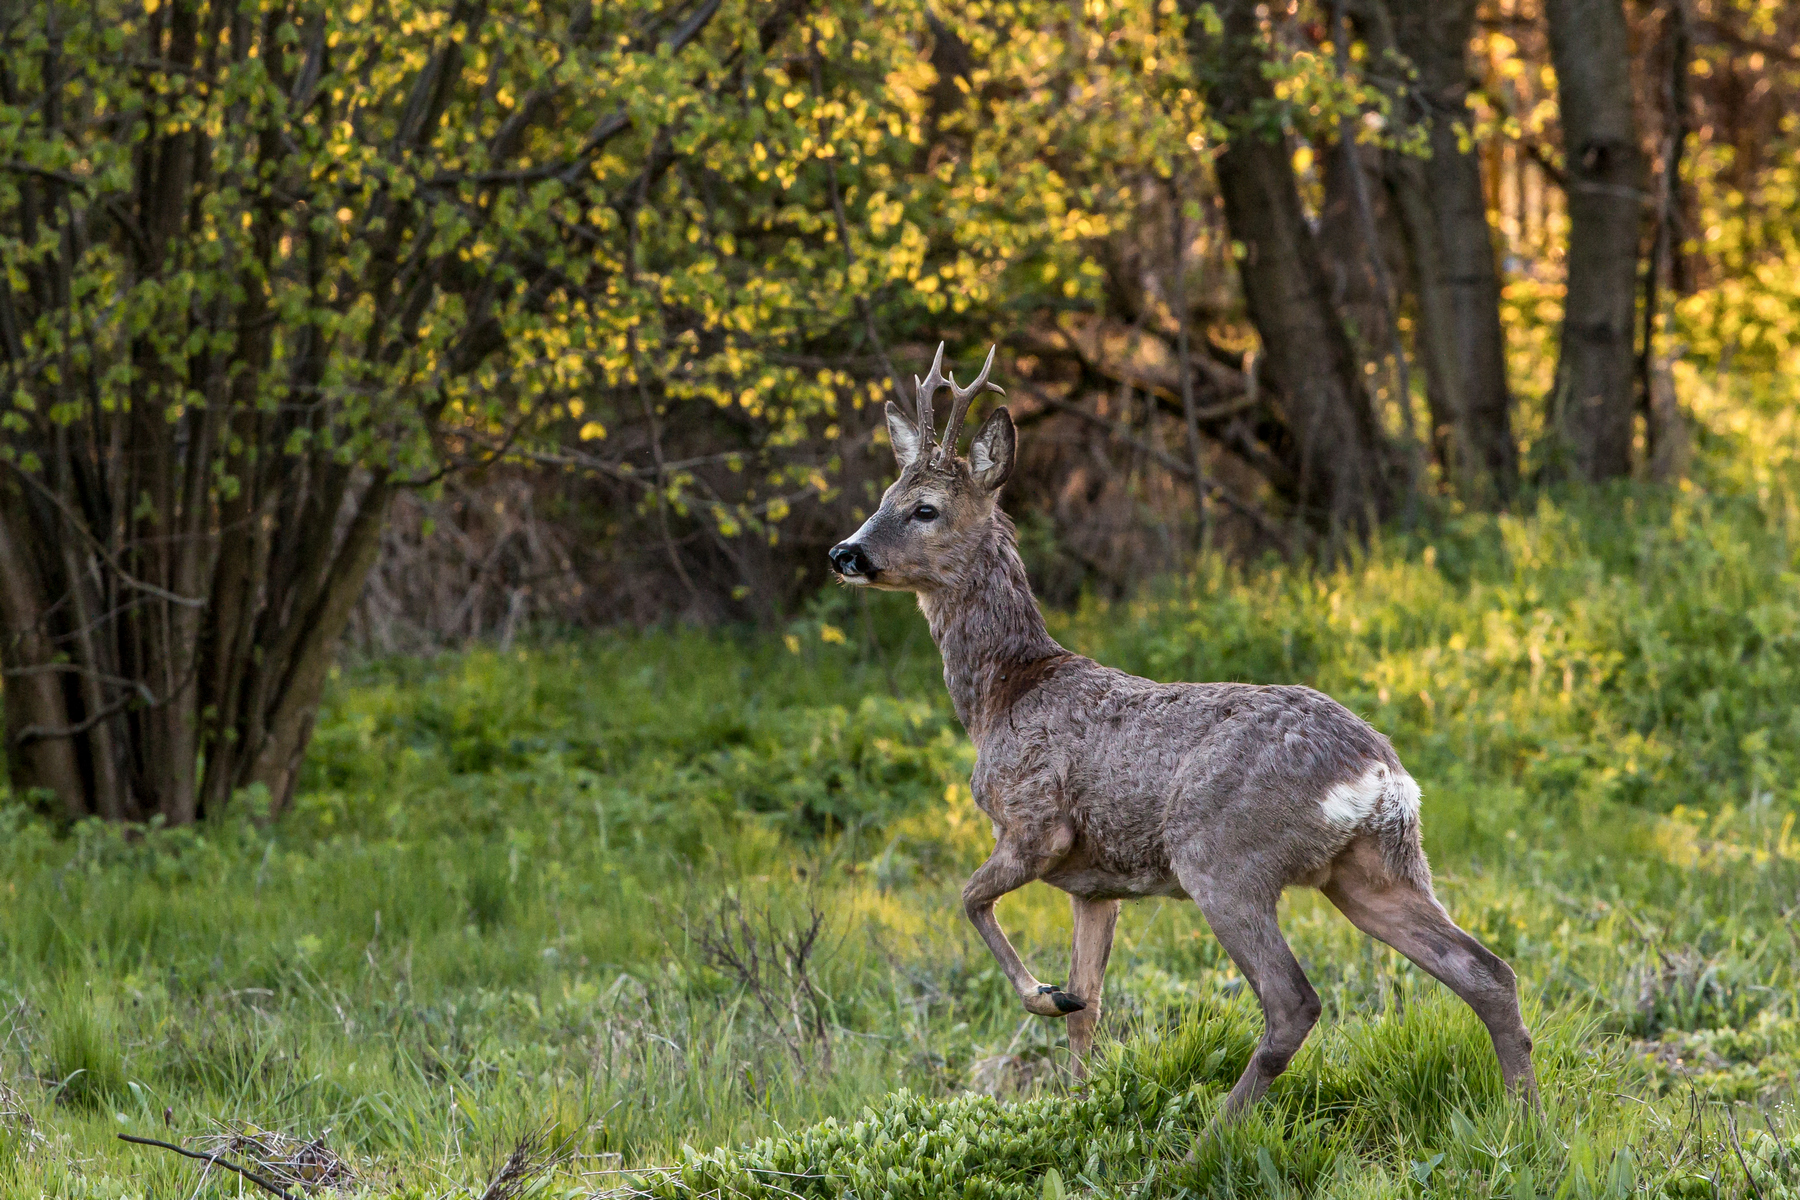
{"x":852,"y":562}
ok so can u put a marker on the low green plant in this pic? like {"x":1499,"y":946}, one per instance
{"x":83,"y":1048}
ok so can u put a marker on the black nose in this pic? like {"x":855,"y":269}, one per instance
{"x":847,"y":558}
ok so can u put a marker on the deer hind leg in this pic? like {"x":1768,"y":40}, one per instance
{"x":1244,"y":922}
{"x":1412,"y":921}
{"x":1015,"y":863}
{"x":1095,"y":921}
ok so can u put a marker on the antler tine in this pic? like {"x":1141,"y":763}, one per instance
{"x":959,"y":407}
{"x":924,"y":390}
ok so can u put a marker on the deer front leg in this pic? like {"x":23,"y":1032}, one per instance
{"x":1012,"y":866}
{"x":1095,"y":921}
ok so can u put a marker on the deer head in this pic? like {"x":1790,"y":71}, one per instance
{"x":935,"y":516}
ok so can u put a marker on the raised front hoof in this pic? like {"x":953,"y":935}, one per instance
{"x":1050,"y":1001}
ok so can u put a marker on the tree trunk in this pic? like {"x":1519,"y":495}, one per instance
{"x":1361,"y":275}
{"x":275,"y":764}
{"x":1451,"y":253}
{"x":1592,"y":402}
{"x":33,"y":682}
{"x":117,"y":709}
{"x":1340,"y":460}
{"x":1664,"y":433}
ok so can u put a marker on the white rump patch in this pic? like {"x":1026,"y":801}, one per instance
{"x":1351,"y":803}
{"x":1406,"y":791}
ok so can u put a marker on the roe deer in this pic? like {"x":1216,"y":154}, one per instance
{"x":1108,"y":786}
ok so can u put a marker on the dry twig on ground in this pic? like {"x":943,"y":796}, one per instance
{"x":212,"y":1160}
{"x":533,"y":1156}
{"x":279,"y":1161}
{"x":287,"y":1160}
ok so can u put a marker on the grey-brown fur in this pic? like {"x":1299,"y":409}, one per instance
{"x":1109,"y":786}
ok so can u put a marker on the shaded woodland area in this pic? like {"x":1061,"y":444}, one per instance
{"x":428,"y":323}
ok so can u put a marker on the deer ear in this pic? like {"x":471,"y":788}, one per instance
{"x":903,"y":434}
{"x":991,"y":453}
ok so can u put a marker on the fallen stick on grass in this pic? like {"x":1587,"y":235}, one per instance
{"x":273,"y":1189}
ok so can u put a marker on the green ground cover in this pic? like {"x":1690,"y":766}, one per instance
{"x":685,"y":904}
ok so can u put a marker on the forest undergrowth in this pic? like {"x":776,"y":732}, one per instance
{"x":676,"y":913}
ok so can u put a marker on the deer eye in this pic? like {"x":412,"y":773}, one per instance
{"x":925,"y":513}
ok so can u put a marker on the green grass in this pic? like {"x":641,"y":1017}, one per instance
{"x":491,"y":908}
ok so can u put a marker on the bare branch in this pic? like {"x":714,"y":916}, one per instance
{"x":212,"y":1159}
{"x":1173,"y":465}
{"x":35,"y":733}
{"x":125,"y":577}
{"x":1533,"y":148}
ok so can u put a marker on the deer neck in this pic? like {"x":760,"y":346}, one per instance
{"x":989,"y":633}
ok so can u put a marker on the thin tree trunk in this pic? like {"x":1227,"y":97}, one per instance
{"x":35,"y":702}
{"x":1189,"y":412}
{"x":1663,"y":431}
{"x":113,"y":798}
{"x":1366,"y":231}
{"x":1450,"y":251}
{"x":1592,"y":402}
{"x":277,"y":759}
{"x":1340,"y":460}
{"x":1361,"y":287}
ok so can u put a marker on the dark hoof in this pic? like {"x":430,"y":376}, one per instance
{"x":1064,"y":1002}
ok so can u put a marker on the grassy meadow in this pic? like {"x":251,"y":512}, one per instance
{"x":680,"y":908}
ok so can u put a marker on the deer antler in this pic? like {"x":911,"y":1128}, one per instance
{"x":960,"y":406}
{"x":923,"y":390}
